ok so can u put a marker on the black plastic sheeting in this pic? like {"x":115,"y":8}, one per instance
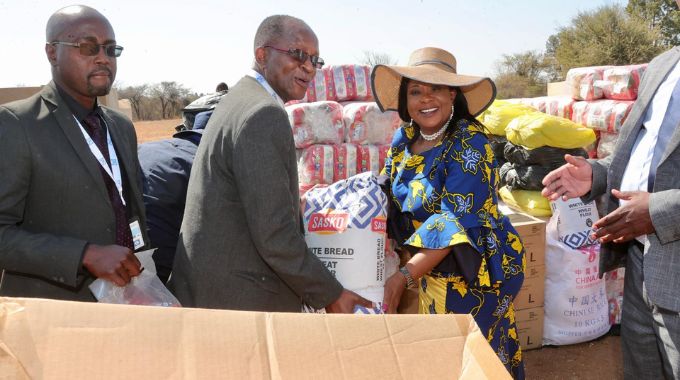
{"x":498,"y":147}
{"x":518,"y":177}
{"x":545,"y":156}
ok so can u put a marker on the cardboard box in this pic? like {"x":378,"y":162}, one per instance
{"x":532,"y":232}
{"x":530,"y":327}
{"x":58,"y":340}
{"x":532,"y":293}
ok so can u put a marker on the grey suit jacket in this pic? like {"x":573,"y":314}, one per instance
{"x":662,"y":260}
{"x":53,"y":199}
{"x":241,"y":245}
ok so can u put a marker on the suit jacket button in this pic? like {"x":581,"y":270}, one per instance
{"x":263,"y":278}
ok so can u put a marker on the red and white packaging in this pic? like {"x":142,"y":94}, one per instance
{"x":321,"y":87}
{"x":316,"y":165}
{"x":537,"y":103}
{"x":559,"y":106}
{"x":346,"y":157}
{"x":540,"y":103}
{"x":366,"y":124}
{"x":622,"y":82}
{"x":351,"y":82}
{"x":581,"y":81}
{"x":368,"y":159}
{"x":316,"y":123}
{"x":591,"y":149}
{"x":614,"y":281}
{"x":606,"y":144}
{"x":603,"y":115}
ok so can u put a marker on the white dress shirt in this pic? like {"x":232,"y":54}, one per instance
{"x":636,"y":175}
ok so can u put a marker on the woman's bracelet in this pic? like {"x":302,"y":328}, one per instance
{"x":410,"y":283}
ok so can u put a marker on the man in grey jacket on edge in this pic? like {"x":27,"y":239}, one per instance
{"x":241,"y":245}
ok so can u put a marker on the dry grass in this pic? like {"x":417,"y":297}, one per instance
{"x":155,"y":129}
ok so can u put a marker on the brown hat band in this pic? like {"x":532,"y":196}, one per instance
{"x":436,"y":61}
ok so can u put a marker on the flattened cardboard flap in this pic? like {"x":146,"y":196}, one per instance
{"x":58,"y":339}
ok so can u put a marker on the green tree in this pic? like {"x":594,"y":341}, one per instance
{"x":524,"y":74}
{"x":659,"y":15}
{"x":606,"y":36}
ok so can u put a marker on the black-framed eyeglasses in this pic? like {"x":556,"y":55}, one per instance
{"x":301,"y":56}
{"x":90,"y":48}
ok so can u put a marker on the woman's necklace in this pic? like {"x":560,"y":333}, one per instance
{"x":436,"y":135}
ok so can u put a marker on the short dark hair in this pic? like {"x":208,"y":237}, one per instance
{"x":221,"y":87}
{"x":272,"y":28}
{"x":461,"y":110}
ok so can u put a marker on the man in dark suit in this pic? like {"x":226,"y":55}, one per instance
{"x":642,"y":226}
{"x":241,"y":245}
{"x":70,"y":202}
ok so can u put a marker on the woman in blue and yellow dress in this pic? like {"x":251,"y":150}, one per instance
{"x":466,"y":256}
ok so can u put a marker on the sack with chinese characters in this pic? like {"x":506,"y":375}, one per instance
{"x":576,"y":307}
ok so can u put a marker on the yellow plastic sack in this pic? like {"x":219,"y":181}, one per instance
{"x":538,"y":129}
{"x":530,"y":202}
{"x":500,"y":114}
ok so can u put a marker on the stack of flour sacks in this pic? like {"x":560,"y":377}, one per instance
{"x":338,"y":130}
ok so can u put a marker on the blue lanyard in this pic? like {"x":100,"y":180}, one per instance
{"x":260,"y":79}
{"x":114,"y":170}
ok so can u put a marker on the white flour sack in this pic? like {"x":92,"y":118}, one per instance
{"x":345,"y":226}
{"x":576,"y":305}
{"x":574,"y":221}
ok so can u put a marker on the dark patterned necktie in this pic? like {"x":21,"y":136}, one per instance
{"x":95,"y":130}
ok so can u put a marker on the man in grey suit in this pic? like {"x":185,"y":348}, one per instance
{"x":69,"y":191}
{"x":641,"y":180}
{"x":241,"y":245}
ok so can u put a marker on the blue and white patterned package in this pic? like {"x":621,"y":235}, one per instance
{"x":574,"y":221}
{"x":345,"y":227}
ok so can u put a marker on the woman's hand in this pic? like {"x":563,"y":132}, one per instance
{"x":394,"y":287}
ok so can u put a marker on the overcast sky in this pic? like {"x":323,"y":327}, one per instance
{"x":199,"y":43}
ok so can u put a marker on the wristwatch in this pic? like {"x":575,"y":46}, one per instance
{"x":410,"y":283}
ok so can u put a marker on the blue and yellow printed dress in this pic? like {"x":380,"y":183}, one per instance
{"x":449,"y":195}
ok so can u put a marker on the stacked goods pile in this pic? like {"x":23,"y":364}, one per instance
{"x":600,"y":98}
{"x":582,"y":82}
{"x":552,"y":105}
{"x":530,"y":300}
{"x":496,"y":118}
{"x":338,"y":130}
{"x":618,"y":86}
{"x":340,"y":83}
{"x":536,"y":145}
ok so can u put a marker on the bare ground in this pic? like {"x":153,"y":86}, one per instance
{"x":155,"y":129}
{"x":596,"y":360}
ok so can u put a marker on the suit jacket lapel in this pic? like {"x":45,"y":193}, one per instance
{"x":68,"y":125}
{"x":675,"y":137}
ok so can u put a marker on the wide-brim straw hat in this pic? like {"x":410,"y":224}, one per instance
{"x":434,"y":66}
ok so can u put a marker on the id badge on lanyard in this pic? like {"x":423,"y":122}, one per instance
{"x":114,"y":170}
